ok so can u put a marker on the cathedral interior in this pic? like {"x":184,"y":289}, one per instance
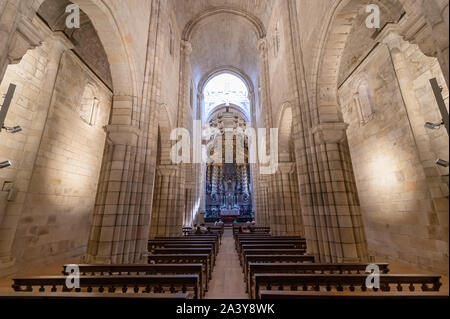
{"x":319,"y":127}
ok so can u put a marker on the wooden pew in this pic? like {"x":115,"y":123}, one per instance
{"x":214,"y":238}
{"x":187,"y":251}
{"x":274,"y":259}
{"x":253,"y":229}
{"x":273,"y":252}
{"x":291,"y":295}
{"x":143,"y":269}
{"x":158,"y":242}
{"x":91,"y":296}
{"x":181,"y":244}
{"x":184,"y":259}
{"x":111,"y":284}
{"x":300,"y":242}
{"x":338,"y":282}
{"x":305,"y":268}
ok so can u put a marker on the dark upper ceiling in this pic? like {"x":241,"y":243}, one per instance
{"x":85,"y":39}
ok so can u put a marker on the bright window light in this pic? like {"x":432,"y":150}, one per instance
{"x":226,"y":89}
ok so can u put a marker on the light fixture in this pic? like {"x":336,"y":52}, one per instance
{"x":442,"y":163}
{"x":15,"y":129}
{"x":5,"y":164}
{"x":433,"y":126}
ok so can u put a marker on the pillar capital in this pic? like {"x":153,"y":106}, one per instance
{"x":330,"y":133}
{"x":286,"y":167}
{"x":24,"y":38}
{"x":167,"y":170}
{"x":123,"y":134}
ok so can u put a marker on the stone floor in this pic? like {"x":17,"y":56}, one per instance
{"x":227,"y":279}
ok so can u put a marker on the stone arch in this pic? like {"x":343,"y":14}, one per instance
{"x":164,"y":129}
{"x":226,"y":69}
{"x":327,"y":63}
{"x":254,"y":21}
{"x":237,"y":73}
{"x":114,"y":43}
{"x":285,"y":132}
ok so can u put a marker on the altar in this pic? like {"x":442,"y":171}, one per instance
{"x":230,"y":212}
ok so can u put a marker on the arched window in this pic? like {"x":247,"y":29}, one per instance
{"x":226,"y":89}
{"x":89,"y":105}
{"x":364,"y":102}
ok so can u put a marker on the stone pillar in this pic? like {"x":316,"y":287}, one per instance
{"x":285,"y":219}
{"x":57,"y":44}
{"x":262,"y":202}
{"x":165,"y":220}
{"x":116,"y":226}
{"x":332,"y":217}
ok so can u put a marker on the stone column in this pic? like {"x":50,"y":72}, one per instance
{"x":115,"y":224}
{"x":262,"y":217}
{"x":284,"y":205}
{"x":165,"y":220}
{"x":56,"y":44}
{"x":332,"y":217}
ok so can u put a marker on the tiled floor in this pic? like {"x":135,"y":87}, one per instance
{"x":227,"y":279}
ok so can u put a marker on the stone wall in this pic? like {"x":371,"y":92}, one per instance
{"x":402,"y":220}
{"x":60,"y":200}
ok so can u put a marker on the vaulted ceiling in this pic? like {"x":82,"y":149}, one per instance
{"x":224,"y":39}
{"x":186,"y":10}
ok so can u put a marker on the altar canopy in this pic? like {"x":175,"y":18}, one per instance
{"x":228,"y":184}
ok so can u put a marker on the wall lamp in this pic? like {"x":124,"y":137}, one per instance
{"x":442,"y":163}
{"x":15,"y":129}
{"x":433,"y":126}
{"x":5,"y":164}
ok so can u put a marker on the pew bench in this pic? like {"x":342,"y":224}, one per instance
{"x":305,"y":268}
{"x":340,"y":282}
{"x":299,"y":243}
{"x":203,"y":259}
{"x":155,"y":243}
{"x":271,"y":252}
{"x":91,"y":296}
{"x":176,"y":244}
{"x":304,"y":295}
{"x":112,"y":284}
{"x":143,"y":269}
{"x":186,"y":251}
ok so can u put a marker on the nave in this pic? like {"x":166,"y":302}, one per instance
{"x":228,"y":262}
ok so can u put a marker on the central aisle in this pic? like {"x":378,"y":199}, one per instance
{"x":227,"y":280}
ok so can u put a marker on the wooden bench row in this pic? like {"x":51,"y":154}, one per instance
{"x":344,"y":282}
{"x":277,"y":267}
